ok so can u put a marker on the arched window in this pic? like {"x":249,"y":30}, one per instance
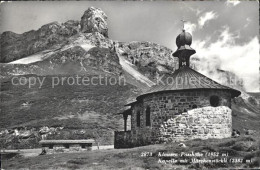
{"x":214,"y":101}
{"x":138,"y":117}
{"x":148,"y":116}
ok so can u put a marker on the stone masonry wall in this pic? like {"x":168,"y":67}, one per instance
{"x":140,"y":135}
{"x":165,"y":106}
{"x":203,"y":123}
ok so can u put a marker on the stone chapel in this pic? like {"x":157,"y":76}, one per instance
{"x":194,"y":106}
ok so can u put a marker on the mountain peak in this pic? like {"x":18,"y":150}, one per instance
{"x":94,"y":20}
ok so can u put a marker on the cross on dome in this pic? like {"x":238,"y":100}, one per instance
{"x":184,"y":51}
{"x":183,"y":22}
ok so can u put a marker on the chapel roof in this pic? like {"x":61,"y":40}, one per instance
{"x":186,"y":78}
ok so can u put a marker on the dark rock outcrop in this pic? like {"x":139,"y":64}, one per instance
{"x":94,"y":20}
{"x":51,"y":36}
{"x":150,"y":59}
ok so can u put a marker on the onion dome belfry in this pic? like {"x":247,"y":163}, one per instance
{"x":184,"y":51}
{"x":184,"y":38}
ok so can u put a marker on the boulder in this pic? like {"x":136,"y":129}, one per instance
{"x":182,"y":145}
{"x":235,"y":133}
{"x":250,"y":132}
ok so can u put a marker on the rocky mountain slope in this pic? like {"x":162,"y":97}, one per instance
{"x":82,"y":48}
{"x":149,"y":58}
{"x":53,"y":35}
{"x":77,"y":47}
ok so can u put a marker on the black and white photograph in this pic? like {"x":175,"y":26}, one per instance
{"x":129,"y":85}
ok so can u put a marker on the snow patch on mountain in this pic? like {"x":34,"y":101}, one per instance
{"x":28,"y":60}
{"x":87,"y":46}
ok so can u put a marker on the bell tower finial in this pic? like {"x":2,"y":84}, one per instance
{"x":184,"y":51}
{"x":183,"y":22}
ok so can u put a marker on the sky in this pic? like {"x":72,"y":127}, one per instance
{"x":225,"y":34}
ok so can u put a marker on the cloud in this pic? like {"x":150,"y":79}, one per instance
{"x":190,"y":27}
{"x":248,"y":20}
{"x":206,"y":17}
{"x":232,"y":2}
{"x":225,"y":54}
{"x":196,"y":10}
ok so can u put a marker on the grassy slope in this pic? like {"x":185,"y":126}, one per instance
{"x":52,"y":106}
{"x":242,"y":147}
{"x":73,"y":107}
{"x":85,"y":107}
{"x":246,"y":114}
